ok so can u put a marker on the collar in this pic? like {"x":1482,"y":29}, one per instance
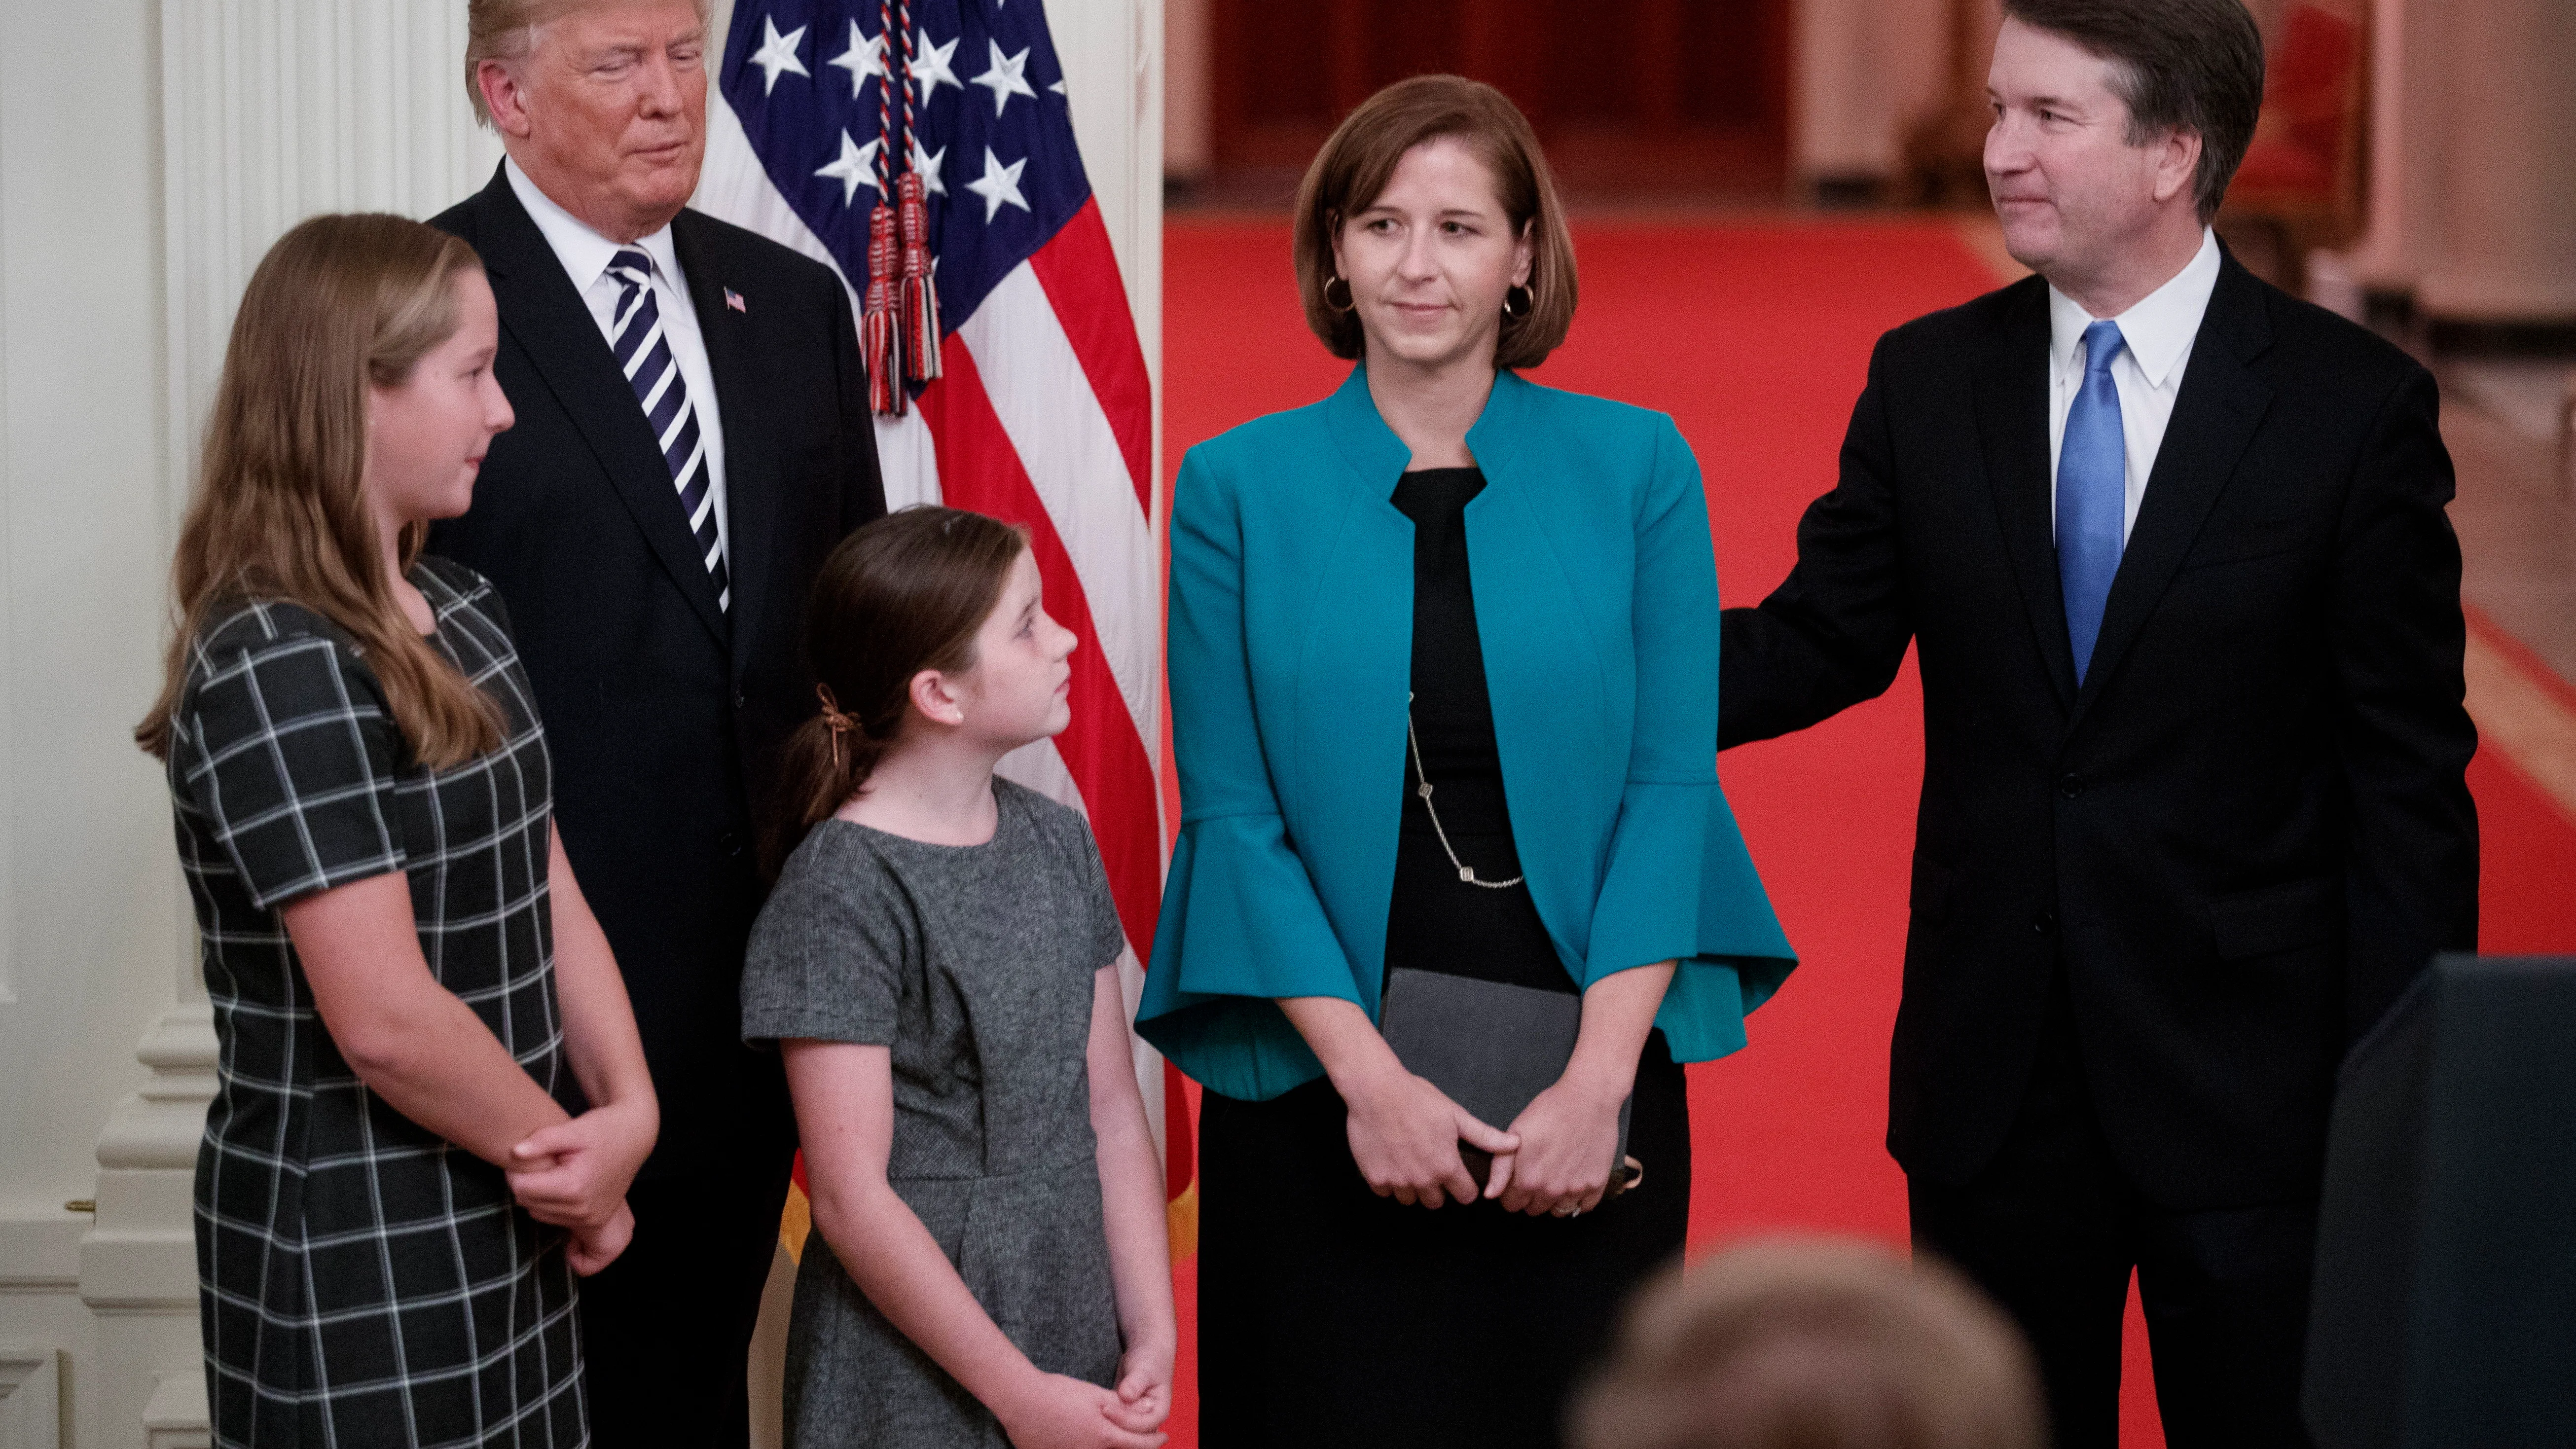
{"x":1378,"y":456}
{"x":585,"y":254}
{"x":2158,"y":330}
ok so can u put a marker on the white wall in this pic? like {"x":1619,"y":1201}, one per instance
{"x":149,"y":152}
{"x":90,"y":939}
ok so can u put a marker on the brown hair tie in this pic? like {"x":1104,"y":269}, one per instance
{"x":840,"y":723}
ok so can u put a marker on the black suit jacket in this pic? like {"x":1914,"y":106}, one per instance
{"x":664,"y":711}
{"x":2247,"y":829}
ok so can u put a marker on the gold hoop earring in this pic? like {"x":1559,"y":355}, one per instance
{"x":1529,"y":299}
{"x":1347,"y":302}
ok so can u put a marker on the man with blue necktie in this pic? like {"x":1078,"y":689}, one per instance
{"x":2172,"y":546}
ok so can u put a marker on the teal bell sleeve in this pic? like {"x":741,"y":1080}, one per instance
{"x":1679,"y":884}
{"x":1241,"y":923}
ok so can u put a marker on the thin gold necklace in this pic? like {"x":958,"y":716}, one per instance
{"x":1466,"y":872}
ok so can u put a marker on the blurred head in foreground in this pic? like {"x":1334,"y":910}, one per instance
{"x":1812,"y":1345}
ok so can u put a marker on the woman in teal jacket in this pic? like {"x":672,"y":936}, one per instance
{"x":1444,"y":690}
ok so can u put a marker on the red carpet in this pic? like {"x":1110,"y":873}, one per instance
{"x":1755,"y":337}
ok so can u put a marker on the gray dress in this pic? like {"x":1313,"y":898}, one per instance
{"x":974,"y":965}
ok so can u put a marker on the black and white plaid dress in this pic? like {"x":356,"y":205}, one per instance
{"x":361,"y":1281}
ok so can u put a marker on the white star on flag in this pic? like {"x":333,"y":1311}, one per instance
{"x":855,"y":167}
{"x":928,"y":167}
{"x":1006,"y":76}
{"x":930,"y":65}
{"x":777,"y":53}
{"x":864,"y":58}
{"x":999,"y":184}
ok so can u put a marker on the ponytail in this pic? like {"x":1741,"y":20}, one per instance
{"x":904,"y":594}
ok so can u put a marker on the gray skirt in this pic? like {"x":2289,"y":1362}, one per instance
{"x":1035,"y":1253}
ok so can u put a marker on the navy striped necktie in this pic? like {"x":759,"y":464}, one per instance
{"x":644,"y":350}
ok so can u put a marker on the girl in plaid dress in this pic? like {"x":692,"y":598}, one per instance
{"x":431,"y":1094}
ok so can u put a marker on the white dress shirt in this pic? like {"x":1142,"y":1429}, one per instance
{"x":585,"y":255}
{"x":2148,"y":372}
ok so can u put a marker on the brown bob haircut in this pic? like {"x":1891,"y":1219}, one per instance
{"x":1352,"y":171}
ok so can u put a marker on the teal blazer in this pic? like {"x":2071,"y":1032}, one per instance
{"x":1291,"y":653}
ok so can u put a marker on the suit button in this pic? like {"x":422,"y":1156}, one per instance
{"x":729,"y":843}
{"x":2070,"y":786}
{"x":2045,"y":923}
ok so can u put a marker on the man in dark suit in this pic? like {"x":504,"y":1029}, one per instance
{"x":2172,"y":546}
{"x":693,"y":438}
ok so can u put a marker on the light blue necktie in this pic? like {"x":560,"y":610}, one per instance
{"x":2092,"y":475}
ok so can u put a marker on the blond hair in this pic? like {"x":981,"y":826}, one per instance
{"x":1813,"y":1345}
{"x":1353,"y":169}
{"x":339,"y":304}
{"x":506,"y":30}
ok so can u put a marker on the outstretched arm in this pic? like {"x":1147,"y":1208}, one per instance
{"x":1834,"y":633}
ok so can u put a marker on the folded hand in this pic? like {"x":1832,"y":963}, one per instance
{"x":575,"y":1174}
{"x":591,"y":1249}
{"x":1144,"y":1388}
{"x":1404,"y":1135}
{"x":1568,"y":1135}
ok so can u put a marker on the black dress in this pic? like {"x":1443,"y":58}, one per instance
{"x":360,"y":1279}
{"x":1330,"y":1315}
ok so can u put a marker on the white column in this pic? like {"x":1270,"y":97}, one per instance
{"x":1865,"y":73}
{"x":90,"y":923}
{"x":149,"y":153}
{"x":2507,"y":214}
{"x":2473,"y":158}
{"x":2405,"y":123}
{"x":1829,"y":134}
{"x":1189,"y":98}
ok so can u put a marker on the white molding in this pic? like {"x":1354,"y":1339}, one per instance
{"x":276,"y":110}
{"x":8,"y":755}
{"x":31,"y":1402}
{"x":175,"y":1416}
{"x":41,"y":1255}
{"x":270,"y":111}
{"x":139,"y":1255}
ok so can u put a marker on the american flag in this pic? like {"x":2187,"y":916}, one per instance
{"x":1041,"y":412}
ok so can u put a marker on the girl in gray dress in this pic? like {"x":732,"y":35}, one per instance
{"x":939,"y":966}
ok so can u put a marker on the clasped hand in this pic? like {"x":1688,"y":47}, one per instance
{"x":1556,"y":1158}
{"x":1569,"y":1134}
{"x":1055,"y":1411}
{"x":574,"y":1175}
{"x":1404,"y":1135}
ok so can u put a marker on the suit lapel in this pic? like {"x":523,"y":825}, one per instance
{"x":1532,"y":622}
{"x":2012,"y":425}
{"x":2214,"y":417}
{"x":547,"y":318}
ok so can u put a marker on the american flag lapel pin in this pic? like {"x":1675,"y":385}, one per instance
{"x":733,"y":299}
